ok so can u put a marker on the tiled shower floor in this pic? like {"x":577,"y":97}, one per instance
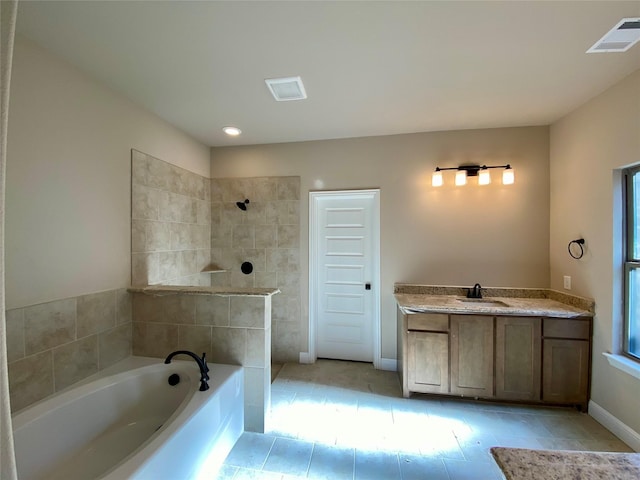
{"x":345,"y":420}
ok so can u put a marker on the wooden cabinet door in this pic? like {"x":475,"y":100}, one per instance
{"x":472,"y":355}
{"x":518,"y":358}
{"x":565,"y":371}
{"x":428,"y":362}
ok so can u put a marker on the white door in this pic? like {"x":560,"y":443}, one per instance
{"x":345,"y":266}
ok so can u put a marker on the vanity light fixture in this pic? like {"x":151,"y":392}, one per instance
{"x":436,"y":179}
{"x":480,"y":171}
{"x":484,"y":177}
{"x":461,"y":178}
{"x":508,"y":177}
{"x":232,"y":131}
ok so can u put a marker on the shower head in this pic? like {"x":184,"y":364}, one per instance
{"x":243,"y":205}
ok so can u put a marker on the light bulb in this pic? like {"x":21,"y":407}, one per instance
{"x":436,"y":179}
{"x":232,"y":131}
{"x":461,"y":178}
{"x":508,"y":176}
{"x":484,"y":177}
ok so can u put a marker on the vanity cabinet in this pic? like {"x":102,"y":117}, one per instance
{"x":518,"y":358}
{"x":428,"y":362}
{"x":472,"y":355}
{"x":427,"y":350}
{"x":528,"y":359}
{"x":566,"y":351}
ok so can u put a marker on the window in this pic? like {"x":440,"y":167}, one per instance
{"x":632,"y":264}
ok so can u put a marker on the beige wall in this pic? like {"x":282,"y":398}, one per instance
{"x":496,"y":235}
{"x":68,"y":178}
{"x":586,"y":147}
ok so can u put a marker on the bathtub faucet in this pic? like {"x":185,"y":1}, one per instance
{"x":202,"y":364}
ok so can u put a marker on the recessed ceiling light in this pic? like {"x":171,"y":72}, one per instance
{"x":232,"y":131}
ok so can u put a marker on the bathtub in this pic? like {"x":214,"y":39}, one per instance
{"x":133,"y":424}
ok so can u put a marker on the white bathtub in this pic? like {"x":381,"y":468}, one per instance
{"x":133,"y":424}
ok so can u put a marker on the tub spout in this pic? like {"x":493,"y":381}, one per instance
{"x":202,"y":365}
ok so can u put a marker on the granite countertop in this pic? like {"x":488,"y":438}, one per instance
{"x":526,"y":464}
{"x":537,"y":307}
{"x":495,"y":301}
{"x":160,"y":290}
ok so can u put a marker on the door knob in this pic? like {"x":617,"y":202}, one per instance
{"x":367,"y":286}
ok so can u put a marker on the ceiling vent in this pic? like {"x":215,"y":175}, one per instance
{"x":285,"y":89}
{"x":620,"y":38}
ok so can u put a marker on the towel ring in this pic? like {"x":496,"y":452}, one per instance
{"x":579,"y":242}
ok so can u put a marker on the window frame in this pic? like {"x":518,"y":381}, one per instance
{"x":630,"y":262}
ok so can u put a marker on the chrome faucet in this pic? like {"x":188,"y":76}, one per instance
{"x":476,"y":292}
{"x":202,"y":365}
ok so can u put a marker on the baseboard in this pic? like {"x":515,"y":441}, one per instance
{"x":619,"y":429}
{"x":305,"y":358}
{"x":390,"y":364}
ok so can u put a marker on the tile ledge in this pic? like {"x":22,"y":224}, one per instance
{"x":623,"y":363}
{"x":160,"y":290}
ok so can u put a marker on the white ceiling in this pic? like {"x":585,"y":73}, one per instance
{"x":369,"y":68}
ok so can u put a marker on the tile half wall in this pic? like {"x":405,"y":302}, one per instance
{"x":53,"y":345}
{"x":234,"y":330}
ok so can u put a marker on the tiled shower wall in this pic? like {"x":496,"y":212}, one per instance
{"x":55,"y":344}
{"x":267,"y":234}
{"x":170,"y":223}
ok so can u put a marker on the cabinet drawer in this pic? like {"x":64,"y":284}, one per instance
{"x":564,"y":328}
{"x":432,"y":322}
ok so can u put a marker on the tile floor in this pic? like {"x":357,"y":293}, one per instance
{"x":345,"y":420}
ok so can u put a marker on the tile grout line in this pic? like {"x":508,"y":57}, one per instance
{"x":268,"y":454}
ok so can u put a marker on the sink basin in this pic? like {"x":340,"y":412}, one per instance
{"x":481,"y":302}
